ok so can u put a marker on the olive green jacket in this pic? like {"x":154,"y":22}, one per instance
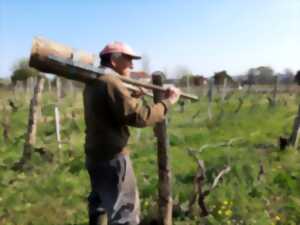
{"x":109,"y":109}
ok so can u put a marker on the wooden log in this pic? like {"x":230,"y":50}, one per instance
{"x":76,"y":65}
{"x":164,"y":171}
{"x":32,"y":125}
{"x":42,"y":48}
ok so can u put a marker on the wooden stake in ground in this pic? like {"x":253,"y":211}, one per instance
{"x":272,"y":100}
{"x":295,"y":133}
{"x":57,"y":127}
{"x":58,"y":89}
{"x":275,"y":90}
{"x":49,"y":86}
{"x":164,"y":172}
{"x":224,"y":90}
{"x":5,"y":124}
{"x":209,"y":96}
{"x":32,"y":125}
{"x":71,"y":88}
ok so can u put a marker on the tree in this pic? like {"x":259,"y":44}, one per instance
{"x":22,"y":71}
{"x":220,"y":77}
{"x":146,"y":64}
{"x":297,"y":77}
{"x":251,"y":76}
{"x":287,"y":77}
{"x":183,"y":74}
{"x":265,"y":75}
{"x":260,"y":75}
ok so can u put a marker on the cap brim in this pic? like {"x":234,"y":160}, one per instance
{"x":134,"y":56}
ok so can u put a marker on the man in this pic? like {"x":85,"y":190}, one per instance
{"x":109,"y":110}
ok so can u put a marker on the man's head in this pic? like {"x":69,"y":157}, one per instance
{"x":118,"y":56}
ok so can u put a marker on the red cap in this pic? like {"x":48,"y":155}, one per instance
{"x":119,"y":47}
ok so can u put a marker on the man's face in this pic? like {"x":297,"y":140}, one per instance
{"x":123,"y":65}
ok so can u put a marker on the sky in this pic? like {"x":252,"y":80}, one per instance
{"x":202,"y":36}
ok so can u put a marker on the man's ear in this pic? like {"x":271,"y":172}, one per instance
{"x":113,"y":62}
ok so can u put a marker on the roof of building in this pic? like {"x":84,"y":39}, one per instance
{"x":139,"y":75}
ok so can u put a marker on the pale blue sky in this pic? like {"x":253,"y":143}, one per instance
{"x":205,"y":36}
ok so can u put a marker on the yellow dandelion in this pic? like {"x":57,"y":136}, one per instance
{"x":228,"y":212}
{"x":277,"y":218}
{"x":225,"y":202}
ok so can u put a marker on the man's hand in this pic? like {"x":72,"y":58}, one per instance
{"x":140,"y":92}
{"x":173,"y":94}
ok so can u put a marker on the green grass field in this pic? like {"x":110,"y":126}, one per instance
{"x":54,"y":192}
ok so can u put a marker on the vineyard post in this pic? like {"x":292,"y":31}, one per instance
{"x":224,"y":90}
{"x":49,"y":86}
{"x":164,"y":171}
{"x":57,"y":127}
{"x":30,"y":138}
{"x":275,"y":90}
{"x":295,"y":133}
{"x":210,"y":96}
{"x":58,"y":89}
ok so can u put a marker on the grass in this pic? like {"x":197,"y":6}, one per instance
{"x":55,"y":192}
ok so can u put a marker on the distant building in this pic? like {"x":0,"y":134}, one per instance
{"x":140,"y":76}
{"x":219,"y":79}
{"x":198,"y":80}
{"x":173,"y":81}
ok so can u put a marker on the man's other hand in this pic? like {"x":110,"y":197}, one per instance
{"x":173,"y":94}
{"x":138,"y":93}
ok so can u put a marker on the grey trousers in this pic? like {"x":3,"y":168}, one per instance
{"x":113,"y":190}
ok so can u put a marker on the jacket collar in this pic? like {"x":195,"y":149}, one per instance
{"x":107,"y":70}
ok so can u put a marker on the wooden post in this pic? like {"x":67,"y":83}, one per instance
{"x":58,"y":89}
{"x":5,"y":124}
{"x":224,"y":90}
{"x":57,"y":127}
{"x":32,"y":125}
{"x":295,"y":133}
{"x":71,"y":88}
{"x":209,"y":96}
{"x":275,"y":90}
{"x":188,"y":85}
{"x":164,"y":172}
{"x":138,"y":135}
{"x":33,"y":83}
{"x":27,"y":85}
{"x":49,"y":86}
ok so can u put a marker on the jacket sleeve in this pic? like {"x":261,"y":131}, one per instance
{"x":131,"y":111}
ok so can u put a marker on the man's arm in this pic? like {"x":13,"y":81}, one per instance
{"x":131,"y":111}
